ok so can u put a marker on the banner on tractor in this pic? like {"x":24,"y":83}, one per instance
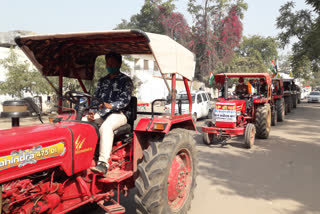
{"x":225,"y":112}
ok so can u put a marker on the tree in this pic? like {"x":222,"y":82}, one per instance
{"x":253,"y":55}
{"x":148,"y":18}
{"x":21,"y":78}
{"x":306,"y":29}
{"x":175,"y":26}
{"x":217,"y":30}
{"x":266,"y":47}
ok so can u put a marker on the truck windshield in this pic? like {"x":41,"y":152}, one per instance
{"x":184,"y":98}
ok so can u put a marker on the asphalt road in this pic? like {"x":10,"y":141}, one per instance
{"x":280,"y":175}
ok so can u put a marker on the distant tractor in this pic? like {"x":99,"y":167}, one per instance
{"x":243,"y":113}
{"x":280,"y":104}
{"x":292,"y":94}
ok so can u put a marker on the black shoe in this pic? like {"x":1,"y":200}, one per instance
{"x":100,"y":168}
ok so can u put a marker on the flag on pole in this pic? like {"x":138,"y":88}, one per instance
{"x":271,"y":69}
{"x":249,"y":88}
{"x":211,"y":78}
{"x":276,"y":64}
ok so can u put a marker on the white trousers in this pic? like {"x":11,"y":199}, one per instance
{"x":113,"y":121}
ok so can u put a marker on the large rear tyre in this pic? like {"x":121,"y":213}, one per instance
{"x":167,"y":175}
{"x":249,"y":135}
{"x":280,"y":105}
{"x":263,"y":121}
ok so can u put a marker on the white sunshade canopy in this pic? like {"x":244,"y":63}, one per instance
{"x":74,"y":54}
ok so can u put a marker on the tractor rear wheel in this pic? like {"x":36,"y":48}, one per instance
{"x":167,"y":175}
{"x":263,"y":121}
{"x":249,"y":135}
{"x":280,"y":105}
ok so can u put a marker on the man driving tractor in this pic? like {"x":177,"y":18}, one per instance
{"x":263,"y":87}
{"x":241,"y":88}
{"x":115,"y":90}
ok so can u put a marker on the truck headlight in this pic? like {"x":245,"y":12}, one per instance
{"x":238,"y":113}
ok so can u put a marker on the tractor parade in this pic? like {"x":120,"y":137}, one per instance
{"x":160,"y":107}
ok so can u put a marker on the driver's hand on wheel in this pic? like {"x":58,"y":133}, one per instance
{"x":107,"y":105}
{"x":91,"y":116}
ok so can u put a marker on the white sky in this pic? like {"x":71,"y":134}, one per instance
{"x":44,"y":16}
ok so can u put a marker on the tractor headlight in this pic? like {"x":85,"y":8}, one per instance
{"x":238,"y":113}
{"x":159,"y":126}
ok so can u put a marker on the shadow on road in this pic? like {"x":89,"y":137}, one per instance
{"x":284,"y":167}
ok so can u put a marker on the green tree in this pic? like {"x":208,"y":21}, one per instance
{"x":265,"y":47}
{"x":21,"y":78}
{"x":148,"y":18}
{"x":304,"y":25}
{"x":253,"y":55}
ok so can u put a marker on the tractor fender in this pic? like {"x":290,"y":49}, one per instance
{"x":145,"y":130}
{"x":152,"y":124}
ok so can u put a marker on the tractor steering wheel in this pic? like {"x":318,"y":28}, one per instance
{"x":75,"y":98}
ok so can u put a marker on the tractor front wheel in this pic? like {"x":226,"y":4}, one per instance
{"x":208,"y":138}
{"x":280,"y":105}
{"x":167,"y":175}
{"x":249,"y":135}
{"x":263,"y":121}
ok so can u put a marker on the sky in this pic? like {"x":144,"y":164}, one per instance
{"x":62,"y":16}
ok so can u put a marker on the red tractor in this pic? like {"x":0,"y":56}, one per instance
{"x":248,"y":114}
{"x":46,"y":168}
{"x":277,"y":93}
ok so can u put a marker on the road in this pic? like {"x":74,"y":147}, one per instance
{"x":280,"y":175}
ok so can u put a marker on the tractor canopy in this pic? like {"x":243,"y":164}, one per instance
{"x":73,"y":55}
{"x":219,"y":78}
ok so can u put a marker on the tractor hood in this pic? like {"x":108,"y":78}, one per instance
{"x":26,"y":150}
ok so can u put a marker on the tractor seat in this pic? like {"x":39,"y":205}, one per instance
{"x":127,"y":128}
{"x":122,"y":130}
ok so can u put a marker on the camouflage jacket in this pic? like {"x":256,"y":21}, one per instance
{"x":116,"y":91}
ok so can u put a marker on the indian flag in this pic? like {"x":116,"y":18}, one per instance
{"x":251,"y":89}
{"x":211,"y":78}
